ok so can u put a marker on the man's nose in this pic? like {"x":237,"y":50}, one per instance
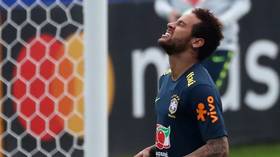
{"x":171,"y":25}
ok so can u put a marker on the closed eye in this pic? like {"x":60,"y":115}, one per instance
{"x":180,"y":23}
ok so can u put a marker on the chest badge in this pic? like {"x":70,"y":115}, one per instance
{"x":173,"y":106}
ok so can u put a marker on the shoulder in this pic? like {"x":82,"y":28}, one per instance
{"x":164,"y":76}
{"x":200,"y":90}
{"x":198,"y":76}
{"x":198,"y":83}
{"x":167,"y":72}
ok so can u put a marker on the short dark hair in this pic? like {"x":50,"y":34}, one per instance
{"x":210,"y":29}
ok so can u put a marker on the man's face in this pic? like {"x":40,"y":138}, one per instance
{"x":178,"y":34}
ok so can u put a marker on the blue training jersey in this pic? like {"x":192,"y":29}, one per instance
{"x":189,"y":112}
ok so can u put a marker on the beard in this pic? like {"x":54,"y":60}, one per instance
{"x":175,"y":46}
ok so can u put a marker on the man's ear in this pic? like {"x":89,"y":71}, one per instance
{"x":197,"y":42}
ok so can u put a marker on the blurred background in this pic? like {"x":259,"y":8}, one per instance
{"x":42,"y":78}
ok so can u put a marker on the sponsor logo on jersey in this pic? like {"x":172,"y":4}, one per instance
{"x":157,"y":99}
{"x":202,"y":112}
{"x":161,"y":154}
{"x":163,"y":137}
{"x":212,"y":109}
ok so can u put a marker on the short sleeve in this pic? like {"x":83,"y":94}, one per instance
{"x":207,"y":109}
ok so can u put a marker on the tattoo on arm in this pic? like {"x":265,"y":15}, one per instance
{"x":218,"y":147}
{"x":213,"y":148}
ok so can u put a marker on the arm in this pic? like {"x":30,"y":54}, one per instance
{"x":166,"y":11}
{"x":213,"y":148}
{"x":207,"y":109}
{"x":237,"y":10}
{"x":163,"y":8}
{"x":147,"y":152}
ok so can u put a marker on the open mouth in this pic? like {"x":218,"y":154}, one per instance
{"x":166,"y":35}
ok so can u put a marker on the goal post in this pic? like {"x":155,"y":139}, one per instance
{"x":96,"y":121}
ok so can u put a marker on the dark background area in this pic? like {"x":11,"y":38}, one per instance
{"x":135,"y":25}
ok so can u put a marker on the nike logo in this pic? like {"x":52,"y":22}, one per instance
{"x":157,"y":99}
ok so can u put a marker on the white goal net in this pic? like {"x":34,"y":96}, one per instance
{"x":42,"y":78}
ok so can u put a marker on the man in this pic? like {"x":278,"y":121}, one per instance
{"x":188,"y":105}
{"x":228,"y":12}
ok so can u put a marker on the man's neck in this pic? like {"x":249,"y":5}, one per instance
{"x":180,"y":64}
